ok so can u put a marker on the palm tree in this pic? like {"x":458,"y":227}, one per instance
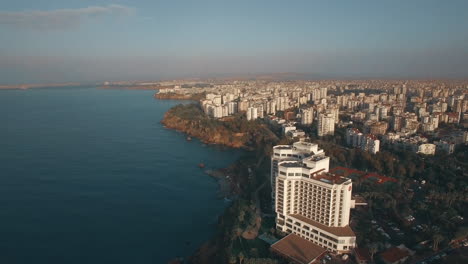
{"x":232,"y":260}
{"x":450,"y":186}
{"x":241,"y":216}
{"x":392,"y":203}
{"x":241,"y":257}
{"x":437,"y":238}
{"x":372,"y":250}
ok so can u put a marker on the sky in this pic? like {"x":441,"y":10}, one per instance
{"x":47,"y":41}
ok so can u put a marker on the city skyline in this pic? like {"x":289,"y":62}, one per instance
{"x":86,"y":41}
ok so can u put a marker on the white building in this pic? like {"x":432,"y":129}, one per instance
{"x":367,"y":142}
{"x":252,"y":113}
{"x":370,"y":143}
{"x":296,"y":133}
{"x":335,"y":111}
{"x":323,"y":92}
{"x":307,"y":116}
{"x":285,"y":128}
{"x":353,"y":137}
{"x":282,"y":103}
{"x":314,"y":204}
{"x":271,"y":107}
{"x":217,"y":100}
{"x":326,"y":125}
{"x":296,"y":151}
{"x":242,"y":105}
{"x":218,"y":111}
{"x":427,"y":149}
{"x":444,"y":146}
{"x":260,"y":111}
{"x":232,"y":108}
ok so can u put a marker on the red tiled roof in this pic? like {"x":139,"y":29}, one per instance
{"x":362,"y":254}
{"x":393,"y":254}
{"x":297,"y":249}
{"x":347,"y":172}
{"x":337,"y":231}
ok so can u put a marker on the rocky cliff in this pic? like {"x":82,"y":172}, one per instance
{"x":235,"y":132}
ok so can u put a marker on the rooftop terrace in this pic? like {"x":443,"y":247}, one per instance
{"x":330,"y":178}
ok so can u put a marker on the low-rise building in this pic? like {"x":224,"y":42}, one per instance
{"x":444,"y":146}
{"x":427,"y":149}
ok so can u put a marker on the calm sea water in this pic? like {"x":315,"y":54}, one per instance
{"x":91,"y":176}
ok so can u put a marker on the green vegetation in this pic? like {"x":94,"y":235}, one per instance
{"x":431,"y":189}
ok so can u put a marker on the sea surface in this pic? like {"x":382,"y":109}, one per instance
{"x":91,"y":176}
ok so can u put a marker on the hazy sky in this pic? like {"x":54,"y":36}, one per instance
{"x":96,"y":40}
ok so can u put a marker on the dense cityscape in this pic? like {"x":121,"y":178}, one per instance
{"x":377,"y":207}
{"x":234,"y":132}
{"x":404,"y":115}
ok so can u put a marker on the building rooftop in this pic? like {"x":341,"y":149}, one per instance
{"x":298,"y":249}
{"x":337,"y":231}
{"x":296,"y":164}
{"x":308,"y":144}
{"x":317,"y":158}
{"x":330,"y":178}
{"x":362,"y":254}
{"x":283,"y":147}
{"x":394,"y":254}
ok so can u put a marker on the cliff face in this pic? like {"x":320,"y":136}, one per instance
{"x":235,"y":133}
{"x":195,"y":128}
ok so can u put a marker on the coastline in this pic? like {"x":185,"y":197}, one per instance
{"x":137,"y":157}
{"x":32,"y":86}
{"x":236,"y":183}
{"x":177,"y":96}
{"x":235,"y":132}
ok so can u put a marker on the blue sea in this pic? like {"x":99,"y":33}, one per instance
{"x":91,"y":176}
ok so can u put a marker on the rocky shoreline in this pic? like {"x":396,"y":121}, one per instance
{"x":236,"y":132}
{"x":204,"y":134}
{"x":234,"y":180}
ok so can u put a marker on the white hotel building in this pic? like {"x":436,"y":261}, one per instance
{"x":295,"y":152}
{"x":312,"y":203}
